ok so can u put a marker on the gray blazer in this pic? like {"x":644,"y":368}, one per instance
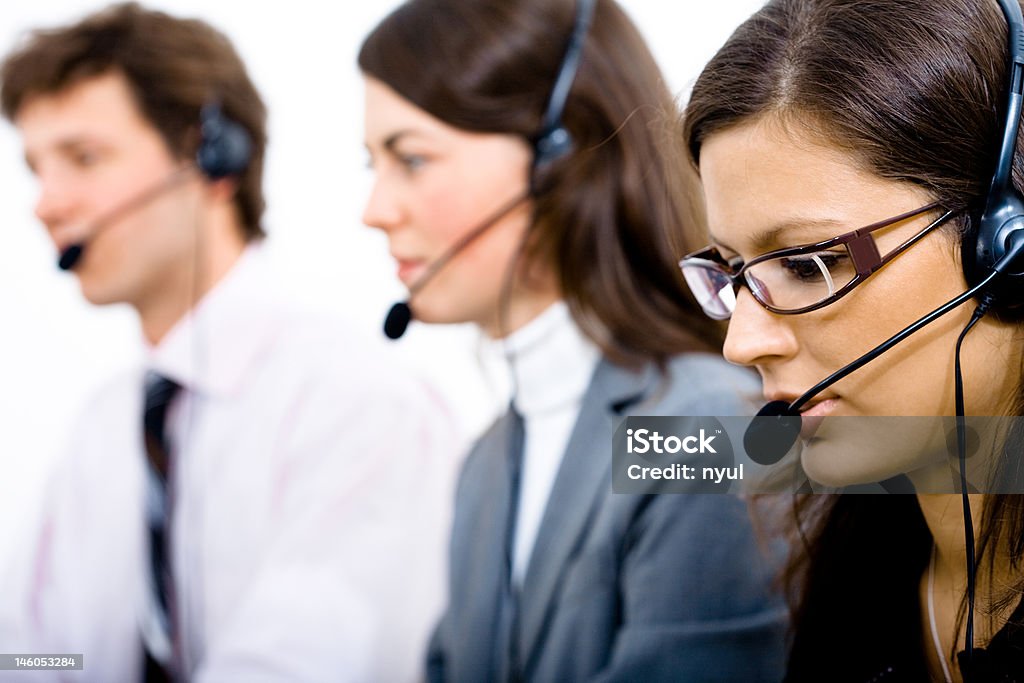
{"x":619,"y":587}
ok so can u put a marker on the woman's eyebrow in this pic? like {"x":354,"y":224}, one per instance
{"x":772,"y":237}
{"x":393,"y":139}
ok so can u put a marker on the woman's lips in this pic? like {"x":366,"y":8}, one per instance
{"x":812,"y":417}
{"x":64,"y":239}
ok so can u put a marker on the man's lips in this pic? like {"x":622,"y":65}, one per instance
{"x":409,"y":269}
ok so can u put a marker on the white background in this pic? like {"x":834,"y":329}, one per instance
{"x":56,"y":349}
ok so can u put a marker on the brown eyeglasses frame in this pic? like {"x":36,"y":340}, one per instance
{"x":860,"y":244}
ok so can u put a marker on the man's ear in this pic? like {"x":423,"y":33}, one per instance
{"x":222,"y":190}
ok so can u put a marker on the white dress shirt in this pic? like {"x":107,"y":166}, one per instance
{"x":312,"y":483}
{"x":552,"y":363}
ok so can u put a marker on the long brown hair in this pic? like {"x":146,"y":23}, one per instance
{"x":913,"y":91}
{"x":610,"y":221}
{"x":173,"y":67}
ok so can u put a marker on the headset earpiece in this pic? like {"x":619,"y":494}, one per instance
{"x":988,"y":232}
{"x":552,"y":146}
{"x":986,"y":242}
{"x":548,"y":148}
{"x":225,"y":147}
{"x":554,"y":141}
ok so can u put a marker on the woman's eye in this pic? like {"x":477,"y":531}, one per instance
{"x":85,"y":158}
{"x":812,"y":267}
{"x":412,"y":162}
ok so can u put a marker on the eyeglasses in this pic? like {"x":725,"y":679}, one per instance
{"x":796,"y":279}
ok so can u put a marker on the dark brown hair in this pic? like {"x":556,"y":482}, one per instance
{"x":611,"y":208}
{"x":914,"y":91}
{"x":173,"y":67}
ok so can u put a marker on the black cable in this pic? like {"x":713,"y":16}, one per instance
{"x":961,"y":441}
{"x":794,"y":407}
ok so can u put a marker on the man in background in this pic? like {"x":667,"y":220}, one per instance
{"x":267,"y":499}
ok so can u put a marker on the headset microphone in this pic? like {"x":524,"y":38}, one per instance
{"x":397,"y":320}
{"x":225,"y":149}
{"x":552,"y":142}
{"x":400,"y":315}
{"x":767,"y":440}
{"x":991,"y":249}
{"x":71,"y":256}
{"x":992,"y":254}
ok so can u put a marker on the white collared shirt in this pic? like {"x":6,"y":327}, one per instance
{"x":312,"y":486}
{"x":552,"y":363}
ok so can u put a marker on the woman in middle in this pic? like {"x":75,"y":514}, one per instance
{"x":524,"y":186}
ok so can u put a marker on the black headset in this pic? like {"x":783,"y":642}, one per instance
{"x":553,"y":141}
{"x":989,"y":234}
{"x":225,"y":147}
{"x":992,"y":252}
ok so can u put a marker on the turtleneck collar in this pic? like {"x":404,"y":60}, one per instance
{"x":551,"y":362}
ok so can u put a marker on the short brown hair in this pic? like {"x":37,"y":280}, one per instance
{"x":609,"y":222}
{"x":173,"y":67}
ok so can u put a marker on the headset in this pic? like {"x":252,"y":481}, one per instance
{"x":224,"y":151}
{"x":225,"y":147}
{"x":992,"y":253}
{"x":552,"y":143}
{"x":989,"y":235}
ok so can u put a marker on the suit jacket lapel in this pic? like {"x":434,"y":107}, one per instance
{"x":481,"y":578}
{"x":583,"y":478}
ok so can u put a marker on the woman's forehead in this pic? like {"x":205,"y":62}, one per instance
{"x":767,"y":184}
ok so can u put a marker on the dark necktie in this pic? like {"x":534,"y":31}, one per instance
{"x":160,"y":391}
{"x":508,"y":619}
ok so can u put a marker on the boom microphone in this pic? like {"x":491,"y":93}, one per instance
{"x":72,"y":255}
{"x":401,"y":314}
{"x":773,"y":432}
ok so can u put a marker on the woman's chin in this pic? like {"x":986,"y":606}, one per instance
{"x":850,"y":450}
{"x":432,"y":314}
{"x":835,"y":466}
